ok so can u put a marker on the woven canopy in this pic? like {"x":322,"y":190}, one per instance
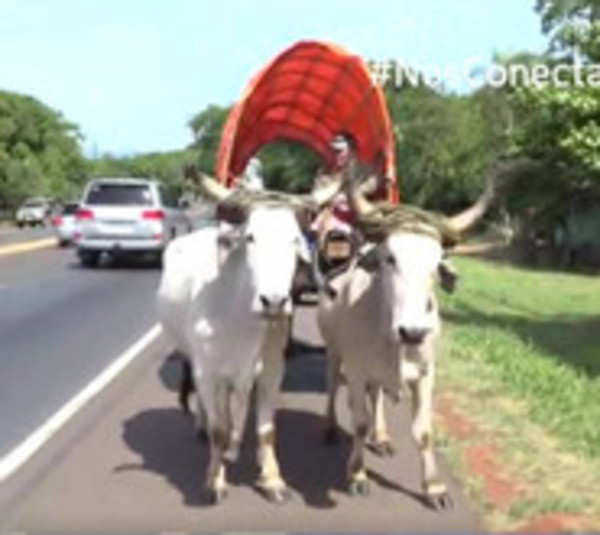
{"x":308,"y":94}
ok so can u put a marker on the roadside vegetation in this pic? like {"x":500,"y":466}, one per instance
{"x":39,"y":151}
{"x":522,"y":367}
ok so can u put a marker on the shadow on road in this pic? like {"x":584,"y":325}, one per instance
{"x":298,"y":347}
{"x":165,"y":440}
{"x":306,"y":371}
{"x":305,"y":368}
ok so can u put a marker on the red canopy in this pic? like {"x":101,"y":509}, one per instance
{"x":308,"y":94}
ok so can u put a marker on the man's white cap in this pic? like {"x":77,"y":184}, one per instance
{"x":339,"y":142}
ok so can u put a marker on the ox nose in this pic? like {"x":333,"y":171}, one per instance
{"x":412,"y":335}
{"x":273,"y":304}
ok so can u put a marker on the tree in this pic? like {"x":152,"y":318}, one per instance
{"x":557,"y":134}
{"x":207,"y":127}
{"x":573,"y":26}
{"x":289,"y":166}
{"x":164,"y":166}
{"x":446,"y":144}
{"x":39,"y":151}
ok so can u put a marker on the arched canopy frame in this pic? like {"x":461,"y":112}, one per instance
{"x":308,"y":94}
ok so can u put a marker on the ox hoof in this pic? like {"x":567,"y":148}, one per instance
{"x":279,"y":496}
{"x":383,"y":449}
{"x":359,"y":487}
{"x":440,"y":502}
{"x":331,"y":437}
{"x":214,"y":496}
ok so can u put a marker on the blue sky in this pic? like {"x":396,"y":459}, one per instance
{"x":131,"y":73}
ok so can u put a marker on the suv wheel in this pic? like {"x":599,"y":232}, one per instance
{"x":89,"y":258}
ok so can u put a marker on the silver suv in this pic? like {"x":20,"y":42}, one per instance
{"x":123,"y":216}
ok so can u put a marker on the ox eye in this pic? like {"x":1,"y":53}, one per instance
{"x":430,"y":305}
{"x":250,"y":238}
{"x":390,"y":260}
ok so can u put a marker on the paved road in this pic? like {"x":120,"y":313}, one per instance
{"x":129,"y":460}
{"x":10,"y":235}
{"x":60,"y":325}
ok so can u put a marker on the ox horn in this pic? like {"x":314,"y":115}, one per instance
{"x":467,"y":218}
{"x":357,"y":198}
{"x":369,"y":186}
{"x":210,"y":187}
{"x":325,"y":193}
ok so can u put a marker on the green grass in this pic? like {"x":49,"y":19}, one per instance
{"x":522,"y":362}
{"x":533,"y":336}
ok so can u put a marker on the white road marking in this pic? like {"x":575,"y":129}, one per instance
{"x":22,"y":453}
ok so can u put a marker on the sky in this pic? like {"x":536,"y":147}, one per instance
{"x":132,"y":73}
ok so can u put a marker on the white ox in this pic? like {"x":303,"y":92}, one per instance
{"x":382,"y":330}
{"x":230,"y":316}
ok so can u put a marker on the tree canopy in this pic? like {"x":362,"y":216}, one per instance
{"x":168,"y":167}
{"x":446,"y":144}
{"x":39,"y":151}
{"x":556,"y":133}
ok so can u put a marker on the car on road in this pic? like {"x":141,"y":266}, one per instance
{"x":34,"y":211}
{"x":65,"y":224}
{"x":125,"y":217}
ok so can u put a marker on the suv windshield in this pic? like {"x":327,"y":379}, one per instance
{"x":34,"y":204}
{"x":120,"y":194}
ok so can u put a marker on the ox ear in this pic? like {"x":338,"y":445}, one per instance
{"x":370,"y":259}
{"x":448,"y":276}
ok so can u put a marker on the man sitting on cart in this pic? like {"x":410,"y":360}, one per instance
{"x":333,"y":227}
{"x":338,"y":218}
{"x":338,"y":215}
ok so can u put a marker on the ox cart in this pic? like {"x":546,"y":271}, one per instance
{"x":308,"y":94}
